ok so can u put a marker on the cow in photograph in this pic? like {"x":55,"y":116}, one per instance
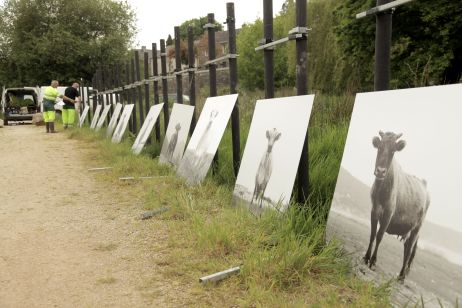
{"x":172,"y":143}
{"x":265,"y":168}
{"x":399,"y":201}
{"x":205,"y":139}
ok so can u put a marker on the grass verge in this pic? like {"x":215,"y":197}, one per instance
{"x":284,"y":258}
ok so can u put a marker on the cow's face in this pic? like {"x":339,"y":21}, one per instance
{"x":387,"y":144}
{"x":272,"y":136}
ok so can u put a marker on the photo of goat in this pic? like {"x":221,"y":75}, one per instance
{"x":176,"y":135}
{"x":123,"y":123}
{"x":272,"y":153}
{"x":395,"y":203}
{"x":206,"y":138}
{"x":146,"y":129}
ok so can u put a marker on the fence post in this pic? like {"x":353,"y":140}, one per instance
{"x":128,"y":97}
{"x":268,"y":52}
{"x":382,"y":48}
{"x":111,"y":97}
{"x":138,"y":79}
{"x":155,"y":73}
{"x":231,"y":21}
{"x":192,"y":77}
{"x":146,"y":89}
{"x":134,"y":99}
{"x":212,"y":67}
{"x":179,"y":77}
{"x":163,"y":58}
{"x":302,"y":89}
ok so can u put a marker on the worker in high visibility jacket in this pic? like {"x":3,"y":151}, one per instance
{"x":71,"y":94}
{"x":49,"y":98}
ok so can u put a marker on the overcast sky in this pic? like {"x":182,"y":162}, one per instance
{"x":430,"y":120}
{"x":156,"y":19}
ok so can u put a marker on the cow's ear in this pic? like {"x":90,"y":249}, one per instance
{"x":267,"y":134}
{"x":400,"y":145}
{"x":376,"y":142}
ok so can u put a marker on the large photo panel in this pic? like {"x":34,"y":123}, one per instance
{"x":176,"y":135}
{"x":396,"y":206}
{"x":146,"y":129}
{"x":272,"y":152}
{"x":206,"y":138}
{"x":103,"y":117}
{"x":96,"y":114}
{"x":113,"y":122}
{"x":122,"y":124}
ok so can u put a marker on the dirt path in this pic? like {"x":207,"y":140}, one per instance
{"x":71,"y":242}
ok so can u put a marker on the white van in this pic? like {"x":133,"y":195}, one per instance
{"x":19,"y":104}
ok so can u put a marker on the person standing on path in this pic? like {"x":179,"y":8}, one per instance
{"x":71,"y":94}
{"x":49,"y":98}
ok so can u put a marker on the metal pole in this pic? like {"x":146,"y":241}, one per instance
{"x":231,"y":21}
{"x":139,"y":88}
{"x":133,"y":90}
{"x":382,"y":48}
{"x":146,"y":89}
{"x":212,"y":67}
{"x":155,"y":73}
{"x":163,"y":58}
{"x":192,"y":77}
{"x":268,"y":52}
{"x":179,"y":77}
{"x":302,"y":89}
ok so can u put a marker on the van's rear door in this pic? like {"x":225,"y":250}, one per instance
{"x":3,"y":99}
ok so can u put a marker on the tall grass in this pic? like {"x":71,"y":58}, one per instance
{"x":284,"y":257}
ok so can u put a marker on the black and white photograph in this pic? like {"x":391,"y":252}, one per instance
{"x":272,"y":153}
{"x":396,"y":205}
{"x":84,"y":115}
{"x":122,"y":124}
{"x":206,"y":138}
{"x":146,"y":129}
{"x":176,"y":135}
{"x":102,"y":117}
{"x":96,"y":114}
{"x":113,"y":122}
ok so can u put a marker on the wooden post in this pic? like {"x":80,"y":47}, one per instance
{"x":230,"y":20}
{"x":163,"y":58}
{"x":212,"y":67}
{"x":155,"y":73}
{"x":382,"y":48}
{"x":302,"y":89}
{"x":179,"y":77}
{"x":134,"y":100}
{"x":192,"y":77}
{"x":268,"y":52}
{"x":146,"y":89}
{"x":139,"y":88}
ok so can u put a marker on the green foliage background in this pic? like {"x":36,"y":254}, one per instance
{"x":42,"y":40}
{"x":426,"y":48}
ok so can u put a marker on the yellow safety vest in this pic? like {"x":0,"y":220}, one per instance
{"x":50,"y":93}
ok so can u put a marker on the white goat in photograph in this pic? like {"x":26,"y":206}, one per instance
{"x":265,"y":168}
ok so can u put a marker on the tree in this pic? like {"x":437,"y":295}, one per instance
{"x":59,"y":39}
{"x":426,"y":48}
{"x":169,"y":41}
{"x":198,"y":27}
